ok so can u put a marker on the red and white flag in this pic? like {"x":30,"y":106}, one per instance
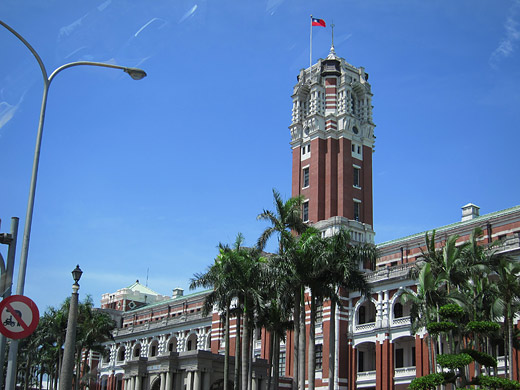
{"x":318,"y":22}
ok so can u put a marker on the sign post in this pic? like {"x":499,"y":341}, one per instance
{"x":19,"y":317}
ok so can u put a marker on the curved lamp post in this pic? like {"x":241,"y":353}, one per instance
{"x":136,"y":74}
{"x":67,"y":367}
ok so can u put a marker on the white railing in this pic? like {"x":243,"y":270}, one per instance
{"x":404,"y":372}
{"x":366,"y":376}
{"x":401,"y":321}
{"x":365,"y":327}
{"x":397,"y":271}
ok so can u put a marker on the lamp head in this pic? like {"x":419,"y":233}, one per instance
{"x":136,"y":73}
{"x":76,"y":274}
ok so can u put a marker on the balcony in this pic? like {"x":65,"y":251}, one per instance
{"x":387,"y":273}
{"x":402,"y":321}
{"x":366,"y":379}
{"x":404,"y":375}
{"x":365,"y":327}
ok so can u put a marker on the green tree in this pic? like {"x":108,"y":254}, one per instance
{"x":343,"y":261}
{"x":286,"y":218}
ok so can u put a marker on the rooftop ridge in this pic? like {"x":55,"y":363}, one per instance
{"x":166,"y":301}
{"x":451,"y":225}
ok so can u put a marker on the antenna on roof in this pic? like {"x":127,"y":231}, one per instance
{"x":147,"y":271}
{"x":332,"y":28}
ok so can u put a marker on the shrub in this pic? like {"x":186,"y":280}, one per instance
{"x":437,"y":327}
{"x":481,"y":357}
{"x":427,"y":382}
{"x":495,"y":382}
{"x":482,"y":326}
{"x":451,"y":311}
{"x":453,"y":361}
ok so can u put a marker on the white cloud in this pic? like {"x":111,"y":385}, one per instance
{"x":6,"y":112}
{"x":512,"y":35}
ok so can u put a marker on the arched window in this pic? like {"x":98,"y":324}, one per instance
{"x":153,"y":349}
{"x":362,"y":315}
{"x":121,"y":354}
{"x":398,"y":310}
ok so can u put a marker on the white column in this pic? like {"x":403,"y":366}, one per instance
{"x":138,"y":384}
{"x":196,"y":380}
{"x":163,"y":380}
{"x":189,"y":376}
{"x":255,"y":384}
{"x":168,"y":380}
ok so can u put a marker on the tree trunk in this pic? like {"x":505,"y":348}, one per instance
{"x":77,"y":378}
{"x":27,"y":372}
{"x":430,"y":359}
{"x":237,"y":354}
{"x":332,"y":345}
{"x":245,"y":348}
{"x":226,"y":349}
{"x":296,"y":334}
{"x":84,"y":366}
{"x":276,"y":361}
{"x":510,"y":341}
{"x":250,"y":359}
{"x":302,"y":341}
{"x":311,"y":364}
{"x":270,"y":370}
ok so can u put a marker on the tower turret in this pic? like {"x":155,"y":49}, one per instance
{"x":332,"y":137}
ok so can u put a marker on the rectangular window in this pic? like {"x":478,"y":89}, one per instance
{"x":357,"y":177}
{"x":361,"y":361}
{"x":305,"y":177}
{"x":281,"y":365}
{"x":305,"y":212}
{"x":399,"y":358}
{"x":357,"y":207}
{"x":318,"y":353}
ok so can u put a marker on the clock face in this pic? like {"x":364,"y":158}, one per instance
{"x":355,"y":130}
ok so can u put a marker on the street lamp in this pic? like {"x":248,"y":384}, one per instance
{"x":70,"y":338}
{"x":136,"y":74}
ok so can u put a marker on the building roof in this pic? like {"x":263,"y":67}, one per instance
{"x":481,"y":218}
{"x":138,"y":287}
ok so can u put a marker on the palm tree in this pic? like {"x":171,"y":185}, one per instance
{"x":220,"y":277}
{"x":286,"y":218}
{"x":343,"y":262}
{"x":234,"y":276}
{"x":94,"y":329}
{"x":429,"y":296}
{"x":507,"y":274}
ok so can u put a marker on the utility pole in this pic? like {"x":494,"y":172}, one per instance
{"x":6,"y":278}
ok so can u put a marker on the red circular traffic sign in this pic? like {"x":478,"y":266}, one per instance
{"x":19,"y":316}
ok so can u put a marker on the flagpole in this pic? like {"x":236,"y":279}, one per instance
{"x":310,"y":56}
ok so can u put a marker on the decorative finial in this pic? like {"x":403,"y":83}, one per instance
{"x":332,"y":27}
{"x":332,"y":53}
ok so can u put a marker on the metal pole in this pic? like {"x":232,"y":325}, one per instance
{"x":8,"y":282}
{"x":67,"y":366}
{"x":136,"y":74}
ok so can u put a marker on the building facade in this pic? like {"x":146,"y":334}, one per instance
{"x":166,"y":342}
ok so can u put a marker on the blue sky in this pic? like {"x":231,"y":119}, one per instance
{"x":145,"y":177}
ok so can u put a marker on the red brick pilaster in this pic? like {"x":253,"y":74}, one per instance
{"x":379,"y":365}
{"x":352,"y":375}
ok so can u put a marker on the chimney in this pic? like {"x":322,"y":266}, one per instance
{"x":469,"y":212}
{"x":177,"y":292}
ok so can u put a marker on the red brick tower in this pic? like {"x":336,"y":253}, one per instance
{"x":332,"y":140}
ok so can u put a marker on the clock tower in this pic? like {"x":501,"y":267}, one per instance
{"x":332,"y":139}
